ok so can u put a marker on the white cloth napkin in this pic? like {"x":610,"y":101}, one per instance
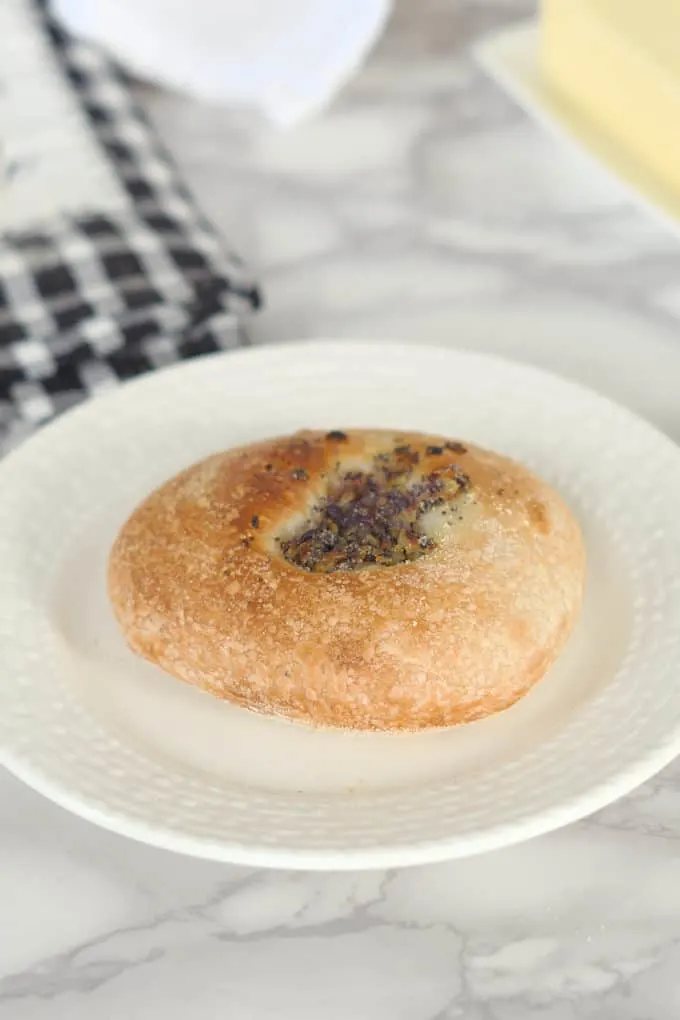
{"x":286,"y":57}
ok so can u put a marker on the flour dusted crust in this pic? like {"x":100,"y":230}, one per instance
{"x":365,"y":579}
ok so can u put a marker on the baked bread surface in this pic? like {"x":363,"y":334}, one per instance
{"x":363,"y":579}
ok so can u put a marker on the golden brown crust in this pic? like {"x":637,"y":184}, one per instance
{"x":200,"y":586}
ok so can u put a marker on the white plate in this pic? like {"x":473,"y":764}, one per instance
{"x":113,"y":739}
{"x":512,"y":57}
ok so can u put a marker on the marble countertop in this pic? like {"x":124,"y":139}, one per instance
{"x":423,"y":204}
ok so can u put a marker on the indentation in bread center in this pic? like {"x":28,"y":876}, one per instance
{"x":374,"y":517}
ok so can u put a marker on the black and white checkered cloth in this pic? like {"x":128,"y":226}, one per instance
{"x":91,"y":300}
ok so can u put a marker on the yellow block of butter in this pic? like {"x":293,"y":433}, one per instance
{"x":617,"y":63}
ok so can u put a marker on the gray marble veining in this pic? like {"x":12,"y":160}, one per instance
{"x":422,"y":204}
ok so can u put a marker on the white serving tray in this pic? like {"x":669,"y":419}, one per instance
{"x":511,"y":57}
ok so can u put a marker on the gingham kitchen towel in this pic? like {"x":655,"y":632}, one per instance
{"x":107,"y":267}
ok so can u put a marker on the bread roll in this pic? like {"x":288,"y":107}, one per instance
{"x":368,"y":580}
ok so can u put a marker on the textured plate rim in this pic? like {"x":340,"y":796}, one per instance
{"x":375,"y":858}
